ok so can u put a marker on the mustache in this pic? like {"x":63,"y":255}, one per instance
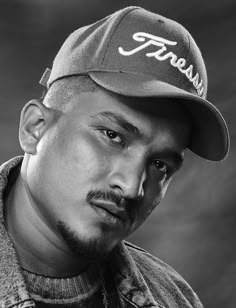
{"x":106,"y":196}
{"x":118,"y":199}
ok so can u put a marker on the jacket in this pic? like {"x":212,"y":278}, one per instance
{"x":141,"y":279}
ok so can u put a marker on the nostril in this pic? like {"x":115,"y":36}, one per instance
{"x":140,"y":196}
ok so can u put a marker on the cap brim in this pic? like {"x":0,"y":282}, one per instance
{"x":210,"y":138}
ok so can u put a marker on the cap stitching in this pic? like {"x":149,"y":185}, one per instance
{"x":108,"y":45}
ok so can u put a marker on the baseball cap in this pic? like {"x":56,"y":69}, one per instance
{"x":134,"y":52}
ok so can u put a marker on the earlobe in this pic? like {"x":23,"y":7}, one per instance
{"x":34,"y":121}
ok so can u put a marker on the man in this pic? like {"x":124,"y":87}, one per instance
{"x":126,"y":97}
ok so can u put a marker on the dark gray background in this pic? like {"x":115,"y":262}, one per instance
{"x":194,"y":227}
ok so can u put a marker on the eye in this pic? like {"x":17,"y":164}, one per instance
{"x":112,"y":135}
{"x":161,"y":166}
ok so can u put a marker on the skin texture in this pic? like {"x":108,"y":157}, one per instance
{"x":89,"y":178}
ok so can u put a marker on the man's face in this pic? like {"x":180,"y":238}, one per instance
{"x":104,"y":166}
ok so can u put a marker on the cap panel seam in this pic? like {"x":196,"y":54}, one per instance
{"x":186,"y":57}
{"x":108,"y":45}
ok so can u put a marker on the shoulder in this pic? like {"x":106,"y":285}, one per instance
{"x":146,"y":261}
{"x":162,"y":278}
{"x":150,"y":265}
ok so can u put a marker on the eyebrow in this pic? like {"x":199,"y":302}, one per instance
{"x":176,"y":157}
{"x":121,"y":121}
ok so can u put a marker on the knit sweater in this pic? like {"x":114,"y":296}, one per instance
{"x":83,"y":290}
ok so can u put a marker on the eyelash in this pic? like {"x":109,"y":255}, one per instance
{"x":166,"y":171}
{"x":106,"y":131}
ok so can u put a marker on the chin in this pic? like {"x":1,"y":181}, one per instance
{"x":93,"y":248}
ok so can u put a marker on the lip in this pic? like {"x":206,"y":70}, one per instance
{"x":111,"y":208}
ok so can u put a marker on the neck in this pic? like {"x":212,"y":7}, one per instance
{"x":40,"y":249}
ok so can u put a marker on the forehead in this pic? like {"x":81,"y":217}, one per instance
{"x":140,"y":109}
{"x":100,"y":100}
{"x":158,"y":122}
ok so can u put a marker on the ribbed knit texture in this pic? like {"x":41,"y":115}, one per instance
{"x":83,"y":290}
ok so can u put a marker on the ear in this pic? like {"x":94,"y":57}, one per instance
{"x":34,"y":121}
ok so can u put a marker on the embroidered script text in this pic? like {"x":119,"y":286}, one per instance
{"x":162,"y":54}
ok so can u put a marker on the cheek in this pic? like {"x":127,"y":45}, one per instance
{"x":82,"y":157}
{"x":154,"y":193}
{"x":63,"y":171}
{"x":66,"y":161}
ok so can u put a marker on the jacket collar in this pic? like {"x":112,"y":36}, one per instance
{"x":13,"y":291}
{"x":129,"y":280}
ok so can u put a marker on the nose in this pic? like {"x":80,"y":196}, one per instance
{"x":128,"y":177}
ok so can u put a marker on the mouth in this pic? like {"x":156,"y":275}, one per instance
{"x":110,"y":211}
